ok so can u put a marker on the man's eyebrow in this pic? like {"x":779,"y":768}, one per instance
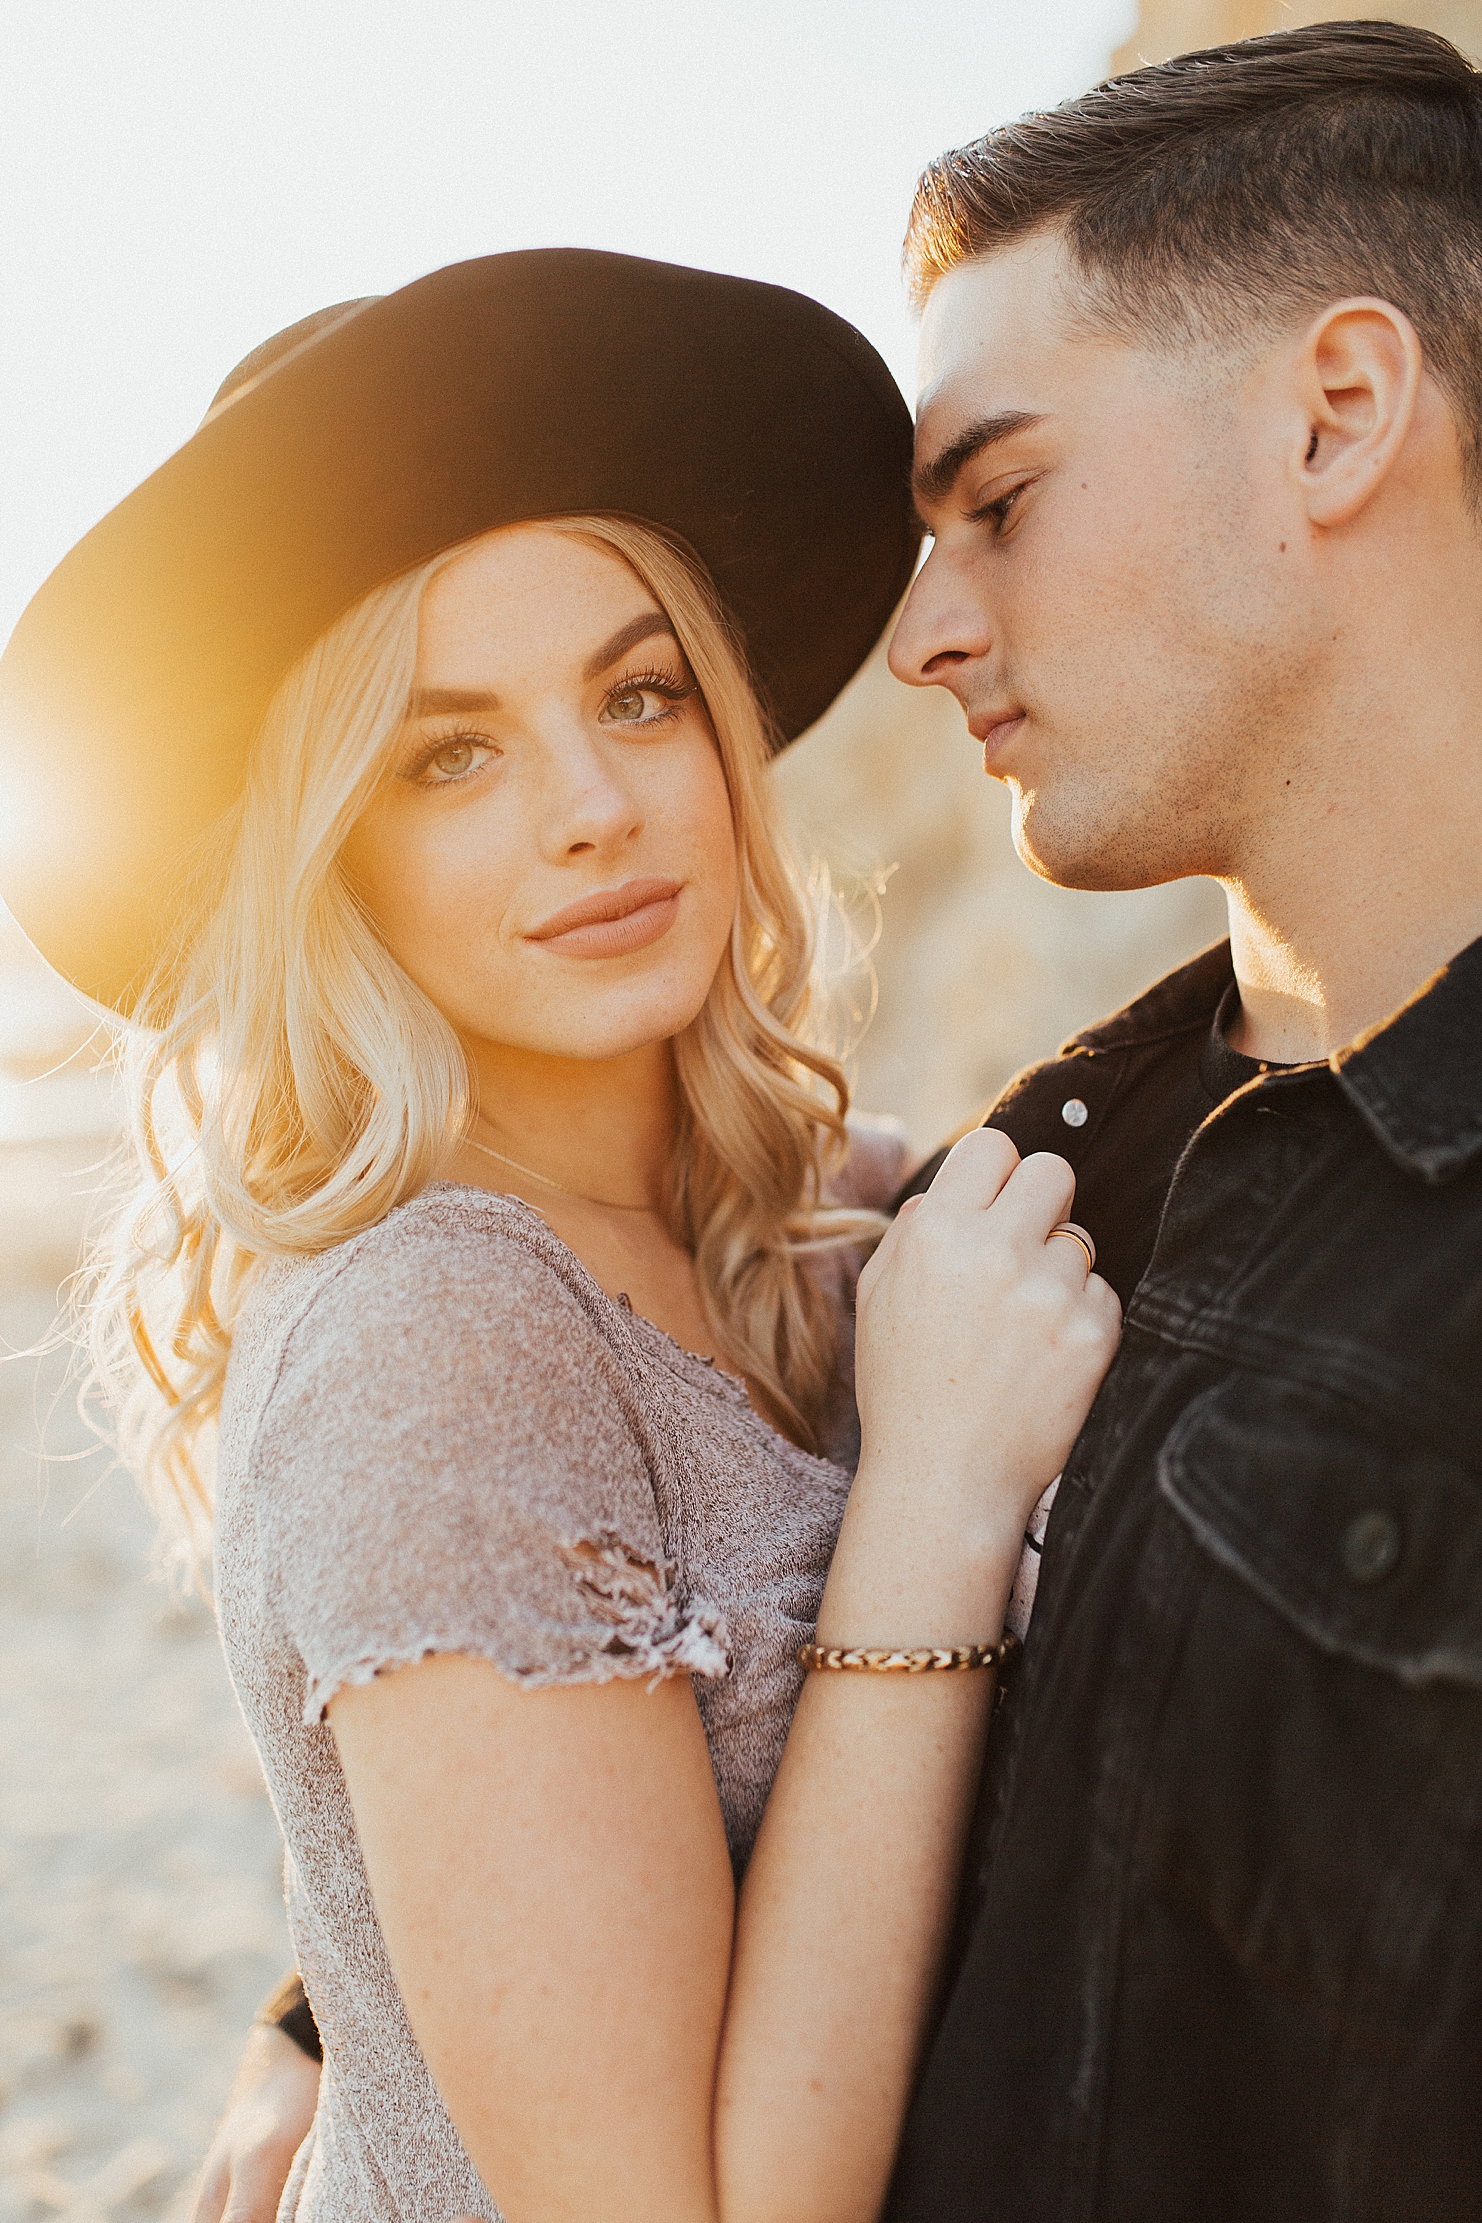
{"x":935,"y":480}
{"x":644,"y":627}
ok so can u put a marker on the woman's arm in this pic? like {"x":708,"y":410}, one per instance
{"x":551,"y":1876}
{"x":550,"y":1869}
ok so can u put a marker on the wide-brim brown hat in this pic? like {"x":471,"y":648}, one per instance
{"x":756,"y":425}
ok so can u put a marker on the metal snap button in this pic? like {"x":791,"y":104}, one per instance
{"x":1371,"y":1545}
{"x":1074,"y":1112}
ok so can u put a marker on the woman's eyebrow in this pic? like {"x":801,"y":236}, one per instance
{"x":430,"y":702}
{"x":642,"y":628}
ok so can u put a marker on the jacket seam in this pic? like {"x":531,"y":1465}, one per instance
{"x":1429,"y":1412}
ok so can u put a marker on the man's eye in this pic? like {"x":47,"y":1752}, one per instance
{"x":997,"y":512}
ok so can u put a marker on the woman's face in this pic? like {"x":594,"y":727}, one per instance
{"x":552,"y":857}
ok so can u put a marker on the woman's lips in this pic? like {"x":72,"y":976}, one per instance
{"x":612,"y":922}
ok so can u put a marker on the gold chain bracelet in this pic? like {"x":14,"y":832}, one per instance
{"x":929,"y":1659}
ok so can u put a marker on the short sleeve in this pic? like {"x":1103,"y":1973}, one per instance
{"x":450,"y":1461}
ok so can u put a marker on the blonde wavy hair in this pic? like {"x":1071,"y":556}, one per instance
{"x":289,"y":1085}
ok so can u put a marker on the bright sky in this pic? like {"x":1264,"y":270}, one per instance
{"x":179,"y":178}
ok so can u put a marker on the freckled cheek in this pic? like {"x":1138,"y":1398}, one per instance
{"x":438,"y":893}
{"x":693,"y":813}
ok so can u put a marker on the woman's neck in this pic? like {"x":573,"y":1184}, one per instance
{"x":601,"y":1129}
{"x":587,"y":1144}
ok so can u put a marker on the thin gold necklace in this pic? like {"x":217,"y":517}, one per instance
{"x":546,"y":1182}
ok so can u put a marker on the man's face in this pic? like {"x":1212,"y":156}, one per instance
{"x":1114,"y":591}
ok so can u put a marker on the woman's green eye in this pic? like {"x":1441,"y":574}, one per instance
{"x":449,"y":763}
{"x":454,"y":759}
{"x":627,"y":708}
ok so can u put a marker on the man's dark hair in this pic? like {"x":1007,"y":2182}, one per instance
{"x":1241,"y":187}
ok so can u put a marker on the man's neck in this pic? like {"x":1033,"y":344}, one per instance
{"x":1351,"y":860}
{"x":1339,"y":929}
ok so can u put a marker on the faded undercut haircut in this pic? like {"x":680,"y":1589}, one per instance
{"x":1235,"y":190}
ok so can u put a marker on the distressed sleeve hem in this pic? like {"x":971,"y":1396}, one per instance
{"x":636,"y":1627}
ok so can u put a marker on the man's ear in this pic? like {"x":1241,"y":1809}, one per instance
{"x":1359,"y":367}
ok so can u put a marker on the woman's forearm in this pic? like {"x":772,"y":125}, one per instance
{"x":848,"y":1898}
{"x":981,"y":1343}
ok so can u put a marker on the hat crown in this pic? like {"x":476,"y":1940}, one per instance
{"x":272,"y":351}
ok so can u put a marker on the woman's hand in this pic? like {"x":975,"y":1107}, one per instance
{"x":266,"y":2121}
{"x":982,"y":1338}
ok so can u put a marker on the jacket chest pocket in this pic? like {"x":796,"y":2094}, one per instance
{"x":1317,"y":1787}
{"x":1373,"y":1554}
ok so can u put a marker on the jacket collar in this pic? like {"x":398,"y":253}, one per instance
{"x":1182,"y":1002}
{"x":1416,"y":1078}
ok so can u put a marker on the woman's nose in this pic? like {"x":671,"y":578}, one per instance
{"x":943,"y":626}
{"x":589,"y":805}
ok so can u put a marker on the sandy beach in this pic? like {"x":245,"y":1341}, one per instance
{"x":141,"y":1913}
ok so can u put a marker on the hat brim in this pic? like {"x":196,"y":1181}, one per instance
{"x":749,"y":420}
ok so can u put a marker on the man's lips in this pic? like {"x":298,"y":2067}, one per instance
{"x":990,"y":726}
{"x":613,"y":921}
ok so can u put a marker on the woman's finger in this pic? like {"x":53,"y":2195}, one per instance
{"x":1071,"y":1251}
{"x":884,"y":1250}
{"x":1037,"y":1196}
{"x":211,"y":2192}
{"x":975,"y":1170}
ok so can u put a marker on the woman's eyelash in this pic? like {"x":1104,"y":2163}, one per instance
{"x":674,"y":686}
{"x":666,"y":681}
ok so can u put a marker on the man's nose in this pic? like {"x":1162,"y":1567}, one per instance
{"x":942,"y":627}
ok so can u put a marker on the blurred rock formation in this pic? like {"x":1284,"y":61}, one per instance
{"x":1174,"y":26}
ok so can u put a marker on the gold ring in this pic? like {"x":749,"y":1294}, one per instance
{"x":1077,"y":1235}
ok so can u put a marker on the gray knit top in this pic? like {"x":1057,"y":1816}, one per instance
{"x":443,"y":1436}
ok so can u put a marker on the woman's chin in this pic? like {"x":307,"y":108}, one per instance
{"x":595,"y":1030}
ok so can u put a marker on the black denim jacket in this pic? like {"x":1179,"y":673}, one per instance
{"x":1222,"y":1952}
